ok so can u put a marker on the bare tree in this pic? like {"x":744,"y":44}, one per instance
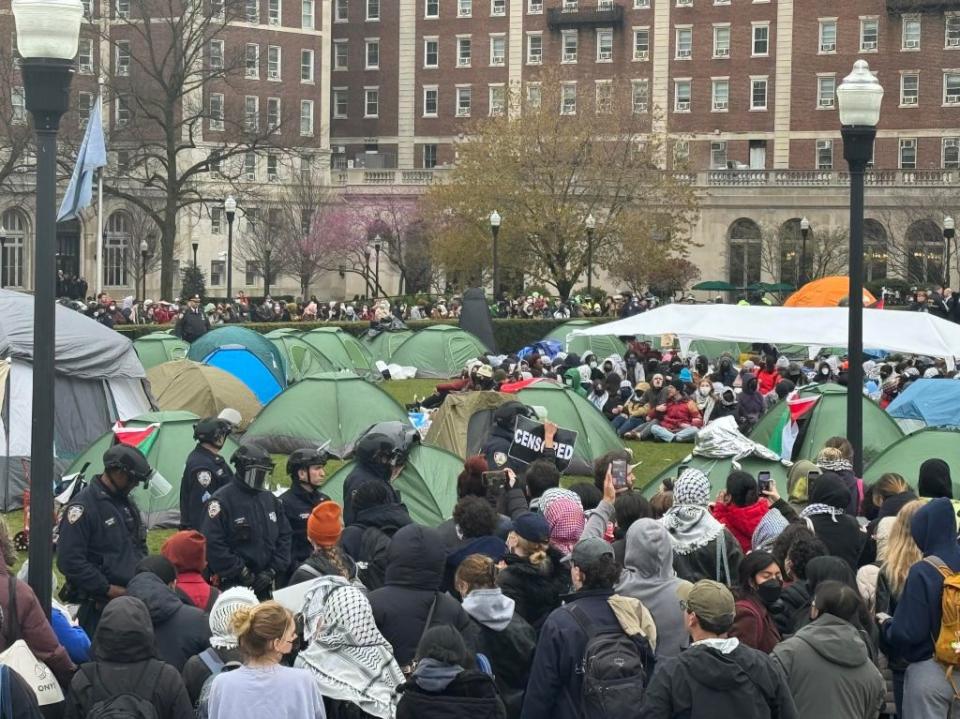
{"x":261,"y":241}
{"x":781,"y":248}
{"x":908,"y":234}
{"x":142,"y":229}
{"x":16,"y":136}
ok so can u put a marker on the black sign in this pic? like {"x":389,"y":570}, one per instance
{"x":527,"y":444}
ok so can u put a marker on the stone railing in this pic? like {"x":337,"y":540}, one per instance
{"x":360,"y":176}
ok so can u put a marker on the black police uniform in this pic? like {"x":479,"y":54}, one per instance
{"x":204,"y":473}
{"x":497,"y":447}
{"x":192,"y":325}
{"x":361,"y":474}
{"x":245,"y":527}
{"x":298,"y":503}
{"x":102,"y":538}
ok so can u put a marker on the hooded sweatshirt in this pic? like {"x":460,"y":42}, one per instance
{"x":840,"y":532}
{"x":648,"y":576}
{"x":750,"y":403}
{"x":830,"y":672}
{"x":741,"y":521}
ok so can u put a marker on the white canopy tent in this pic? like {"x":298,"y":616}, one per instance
{"x":815,"y":327}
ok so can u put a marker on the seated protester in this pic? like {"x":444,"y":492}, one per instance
{"x":934,"y":479}
{"x":832,"y":459}
{"x":324,"y":529}
{"x":351,"y":662}
{"x":541,"y":475}
{"x":726,"y":405}
{"x":827,"y":664}
{"x":187,"y":552}
{"x":827,"y":515}
{"x":717,"y":676}
{"x":702,"y":547}
{"x":505,"y":638}
{"x":706,"y":400}
{"x":223,"y":649}
{"x":655,"y":395}
{"x":796,"y":596}
{"x":556,"y":685}
{"x":618,"y":398}
{"x":529,"y":571}
{"x":411,"y":592}
{"x":378,"y":518}
{"x":761,"y":583}
{"x":476,"y":523}
{"x":740,"y":508}
{"x":470,"y":484}
{"x":634,"y":412}
{"x":677,"y":419}
{"x":725,"y":373}
{"x":599,"y":397}
{"x":181,"y":629}
{"x":750,"y":405}
{"x":125,"y":673}
{"x":444,"y":683}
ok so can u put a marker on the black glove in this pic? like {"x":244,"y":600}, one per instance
{"x":246,"y":577}
{"x":263,"y":582}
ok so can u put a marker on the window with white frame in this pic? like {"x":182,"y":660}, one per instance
{"x":909,"y":89}
{"x":497,"y":96}
{"x":252,"y":61}
{"x":216,"y":55}
{"x":373,"y":10}
{"x":952,"y":30}
{"x":123,"y":8}
{"x":721,"y":2}
{"x":908,"y":153}
{"x":217,"y":267}
{"x":758,"y":93}
{"x":122,"y":112}
{"x":498,"y":50}
{"x":534,"y":95}
{"x":464,"y":8}
{"x":371,"y":102}
{"x":431,"y":52}
{"x":307,"y":14}
{"x":85,"y":56}
{"x":217,"y":8}
{"x":273,"y":62}
{"x":464,"y":50}
{"x":498,"y":8}
{"x":84,"y":107}
{"x":640,"y":96}
{"x":534,"y":48}
{"x":721,"y":40}
{"x":306,"y":66}
{"x":681,"y":95}
{"x":306,"y":118}
{"x":251,"y":11}
{"x":761,"y":38}
{"x":216,"y":220}
{"x":274,"y":12}
{"x":464,"y":101}
{"x":684,"y":3}
{"x":910,"y":32}
{"x":116,"y":245}
{"x":123,"y":58}
{"x":950,"y":153}
{"x":641,"y":43}
{"x":951,"y":87}
{"x":18,"y":101}
{"x":429,"y":156}
{"x":869,"y":34}
{"x":251,"y":113}
{"x":828,"y":36}
{"x":430,"y":100}
{"x":273,"y":167}
{"x":570,"y":5}
{"x":123,"y":162}
{"x":681,"y":152}
{"x":568,"y":98}
{"x":372,"y":54}
{"x":604,"y":96}
{"x":341,"y":99}
{"x":251,"y":272}
{"x":273,"y":114}
{"x":605,"y":45}
{"x":720,"y":94}
{"x":216,"y":111}
{"x":825,"y":154}
{"x":826,"y":91}
{"x":431,"y":8}
{"x":341,"y":11}
{"x":534,"y":7}
{"x":569,"y":46}
{"x":250,"y":166}
{"x":718,"y":155}
{"x":684,"y":43}
{"x":641,"y":4}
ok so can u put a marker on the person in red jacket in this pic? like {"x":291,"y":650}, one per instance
{"x":760,"y":585}
{"x":768,"y":375}
{"x":187,"y":552}
{"x":678,"y":419}
{"x":740,"y":508}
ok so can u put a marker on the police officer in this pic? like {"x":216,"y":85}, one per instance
{"x":102,"y":536}
{"x":248,"y":536}
{"x":206,"y":470}
{"x":380,"y":453}
{"x":496,"y":449}
{"x":307,"y":475}
{"x":192,"y":323}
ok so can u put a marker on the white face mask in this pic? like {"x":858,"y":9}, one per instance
{"x":704,"y":391}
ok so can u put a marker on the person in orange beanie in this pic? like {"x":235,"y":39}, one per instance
{"x":324,"y":527}
{"x":187,"y":552}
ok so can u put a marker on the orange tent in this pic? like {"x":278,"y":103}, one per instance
{"x":825,"y":292}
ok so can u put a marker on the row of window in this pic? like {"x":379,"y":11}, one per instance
{"x":251,"y":11}
{"x":251,"y":61}
{"x":911,"y":31}
{"x":251,"y":114}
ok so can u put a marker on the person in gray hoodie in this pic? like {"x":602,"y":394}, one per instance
{"x":827,"y":664}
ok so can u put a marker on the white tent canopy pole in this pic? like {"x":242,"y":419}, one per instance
{"x":908,"y":332}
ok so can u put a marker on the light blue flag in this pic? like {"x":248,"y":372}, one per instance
{"x":91,"y":157}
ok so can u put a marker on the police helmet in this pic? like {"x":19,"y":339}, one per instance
{"x":128,"y":459}
{"x":507,"y":413}
{"x":304,"y":459}
{"x":212,"y":430}
{"x":386,"y":443}
{"x":253,"y":465}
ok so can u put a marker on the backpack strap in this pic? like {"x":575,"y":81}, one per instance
{"x":150,"y":678}
{"x":211,"y":660}
{"x":11,"y":619}
{"x":309,"y":569}
{"x":940,"y":565}
{"x":586,"y":623}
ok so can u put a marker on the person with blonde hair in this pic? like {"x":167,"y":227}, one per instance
{"x":530,"y":573}
{"x":837,"y":456}
{"x":262,"y":687}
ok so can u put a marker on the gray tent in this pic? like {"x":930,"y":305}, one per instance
{"x":99,"y":379}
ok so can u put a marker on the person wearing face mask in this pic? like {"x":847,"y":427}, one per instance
{"x":638,"y":427}
{"x":634,"y":368}
{"x":725,"y":373}
{"x":248,"y":535}
{"x":598,"y":396}
{"x":206,"y":470}
{"x":677,"y":419}
{"x":761,"y":582}
{"x":102,"y":536}
{"x":307,"y":475}
{"x":705,"y":400}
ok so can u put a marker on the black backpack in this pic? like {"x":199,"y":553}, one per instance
{"x":616,"y":669}
{"x":105,"y":704}
{"x":372,"y":562}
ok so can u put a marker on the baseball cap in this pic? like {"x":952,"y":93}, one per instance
{"x":587,"y":552}
{"x":709,"y":600}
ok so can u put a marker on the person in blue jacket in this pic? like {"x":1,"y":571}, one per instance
{"x":912,"y":630}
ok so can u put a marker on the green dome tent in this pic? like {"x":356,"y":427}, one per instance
{"x":717,"y":470}
{"x":439,"y":351}
{"x":462,"y":423}
{"x":201,"y":389}
{"x":255,"y":342}
{"x":907,"y":454}
{"x":300,"y":358}
{"x":427,"y":484}
{"x":317,"y":410}
{"x":827,"y":419}
{"x":601,"y":345}
{"x":567,"y":409}
{"x":386,"y":343}
{"x":159,"y":347}
{"x":167,"y":454}
{"x":342,"y":349}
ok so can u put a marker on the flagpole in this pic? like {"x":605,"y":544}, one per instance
{"x":100,"y":242}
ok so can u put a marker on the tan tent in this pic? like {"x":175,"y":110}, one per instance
{"x":201,"y":389}
{"x":463,"y":421}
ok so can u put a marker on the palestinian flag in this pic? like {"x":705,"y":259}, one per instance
{"x":787,"y":430}
{"x":140,"y":437}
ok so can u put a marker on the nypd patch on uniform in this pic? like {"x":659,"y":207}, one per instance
{"x":74,"y":513}
{"x":273,"y":516}
{"x":213,"y":509}
{"x":500,"y":458}
{"x":204,"y":478}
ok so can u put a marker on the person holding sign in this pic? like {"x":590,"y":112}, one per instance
{"x":497,"y":447}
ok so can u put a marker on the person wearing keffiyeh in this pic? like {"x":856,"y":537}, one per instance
{"x":566,"y":521}
{"x":826,"y":516}
{"x":832,"y":459}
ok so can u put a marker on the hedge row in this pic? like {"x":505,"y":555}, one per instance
{"x":510,"y":334}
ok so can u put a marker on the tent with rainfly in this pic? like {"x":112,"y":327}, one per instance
{"x":602,"y":345}
{"x":166,"y":438}
{"x":201,"y":389}
{"x":385,"y":343}
{"x":439,"y":351}
{"x":300,"y":358}
{"x":927,"y":403}
{"x":343,"y":350}
{"x":427,"y":484}
{"x":159,"y":347}
{"x":463,"y":421}
{"x":247,"y":355}
{"x":332,"y":409}
{"x":905,"y":456}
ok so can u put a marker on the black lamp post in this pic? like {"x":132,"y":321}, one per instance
{"x":802,"y":271}
{"x":591,"y":225}
{"x":342,"y":271}
{"x":3,"y":255}
{"x":48,"y":33}
{"x":266,"y":276}
{"x":376,"y":267}
{"x":949,"y":232}
{"x":366,"y":271}
{"x":495,"y":231}
{"x":230,"y":210}
{"x":144,"y":253}
{"x":195,"y":244}
{"x":859,"y":97}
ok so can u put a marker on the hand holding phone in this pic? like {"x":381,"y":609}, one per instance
{"x":495,"y":482}
{"x":618,"y":469}
{"x":764,"y":481}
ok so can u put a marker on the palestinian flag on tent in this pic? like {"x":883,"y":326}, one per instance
{"x":140,"y":437}
{"x":787,"y":430}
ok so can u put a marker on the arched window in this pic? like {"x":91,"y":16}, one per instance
{"x":791,"y":249}
{"x":11,"y":263}
{"x":744,"y":244}
{"x":924,"y":252}
{"x":116,"y":244}
{"x":874,"y":251}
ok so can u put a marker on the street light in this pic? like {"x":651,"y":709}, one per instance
{"x":591,"y":225}
{"x":949,"y":232}
{"x":195,"y":244}
{"x":376,"y":268}
{"x":48,"y":33}
{"x":366,"y":271}
{"x":266,"y":277}
{"x":230,"y":209}
{"x":144,"y":253}
{"x":802,"y":272}
{"x":495,"y":231}
{"x":859,"y":98}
